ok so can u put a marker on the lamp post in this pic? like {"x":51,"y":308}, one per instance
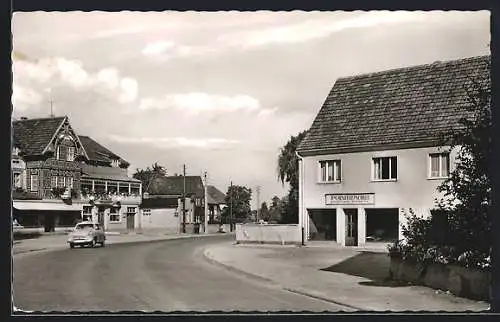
{"x":231,"y":207}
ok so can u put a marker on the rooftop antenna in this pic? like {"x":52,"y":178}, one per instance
{"x":49,"y":91}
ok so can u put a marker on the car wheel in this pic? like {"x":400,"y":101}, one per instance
{"x":102,"y":243}
{"x":92,"y":244}
{"x":71,"y":245}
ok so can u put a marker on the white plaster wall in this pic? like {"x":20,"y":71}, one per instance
{"x":270,"y":233}
{"x":412,"y":189}
{"x":161,"y":218}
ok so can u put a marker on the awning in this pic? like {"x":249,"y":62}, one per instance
{"x":44,"y":205}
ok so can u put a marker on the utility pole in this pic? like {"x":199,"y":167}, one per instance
{"x":231,"y":207}
{"x":184,"y":199}
{"x":206,"y":204}
{"x":258,"y":202}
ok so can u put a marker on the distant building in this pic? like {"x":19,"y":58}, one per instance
{"x":373,"y":152}
{"x":162,"y":203}
{"x":216,"y":200}
{"x":60,"y":178}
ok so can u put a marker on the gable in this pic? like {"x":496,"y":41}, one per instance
{"x":66,"y":136}
{"x":406,"y":107}
{"x":32,"y":136}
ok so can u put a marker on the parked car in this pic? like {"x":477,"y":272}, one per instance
{"x":87,"y":234}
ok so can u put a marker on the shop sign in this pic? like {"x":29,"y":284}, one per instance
{"x":350,"y":199}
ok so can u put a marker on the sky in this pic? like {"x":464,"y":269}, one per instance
{"x":218,"y":91}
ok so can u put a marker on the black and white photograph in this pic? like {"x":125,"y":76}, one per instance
{"x":184,"y":162}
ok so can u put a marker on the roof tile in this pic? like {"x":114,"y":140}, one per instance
{"x":406,"y":105}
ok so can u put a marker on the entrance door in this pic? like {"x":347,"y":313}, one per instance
{"x":130,"y":220}
{"x":351,"y":225}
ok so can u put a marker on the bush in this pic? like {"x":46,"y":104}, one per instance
{"x":420,"y":245}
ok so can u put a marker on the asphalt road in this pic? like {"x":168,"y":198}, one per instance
{"x":162,"y":276}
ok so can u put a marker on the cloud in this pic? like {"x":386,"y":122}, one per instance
{"x":197,"y":102}
{"x":178,"y":142}
{"x":25,"y":96}
{"x":158,"y":47}
{"x":313,"y":28}
{"x":60,"y":71}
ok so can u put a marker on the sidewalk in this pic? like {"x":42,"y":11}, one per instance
{"x":58,"y":241}
{"x":353,"y":277}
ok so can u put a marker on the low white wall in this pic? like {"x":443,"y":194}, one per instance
{"x":268,"y":234}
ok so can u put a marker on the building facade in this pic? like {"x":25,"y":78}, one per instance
{"x":57,"y":178}
{"x":375,"y":151}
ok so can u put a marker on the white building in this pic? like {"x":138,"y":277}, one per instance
{"x":374,"y":150}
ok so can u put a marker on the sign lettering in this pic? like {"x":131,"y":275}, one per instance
{"x":350,"y":199}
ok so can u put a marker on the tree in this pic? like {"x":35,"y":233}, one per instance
{"x":275,"y":209}
{"x":288,"y":171}
{"x":264,"y":212}
{"x":148,"y":174}
{"x":238,"y":199}
{"x":467,"y":191}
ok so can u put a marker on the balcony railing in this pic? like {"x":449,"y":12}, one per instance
{"x":109,"y":196}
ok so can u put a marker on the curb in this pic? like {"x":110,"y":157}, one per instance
{"x":161,"y":238}
{"x":235,"y":270}
{"x":209,"y":258}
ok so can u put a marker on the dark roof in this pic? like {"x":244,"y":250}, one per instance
{"x":106,"y":173}
{"x":403,"y":107}
{"x":33,"y":135}
{"x":97,"y":152}
{"x":171,"y":203}
{"x":174,"y":185}
{"x":215,"y":196}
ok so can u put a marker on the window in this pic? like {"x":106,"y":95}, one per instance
{"x":71,"y":154}
{"x":114,"y":215}
{"x":53,"y":181}
{"x":115,"y":163}
{"x":439,"y":165}
{"x":330,"y":171}
{"x":69,"y":182}
{"x":61,"y":182}
{"x":131,"y":210}
{"x":146,"y":212}
{"x":16,"y":181}
{"x":34,"y":182}
{"x":385,"y":168}
{"x":87,"y":209}
{"x":15,"y":151}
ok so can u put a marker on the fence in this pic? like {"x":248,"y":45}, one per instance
{"x":268,"y":234}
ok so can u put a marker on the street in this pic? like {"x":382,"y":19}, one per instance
{"x":150,"y":276}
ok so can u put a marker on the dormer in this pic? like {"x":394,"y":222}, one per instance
{"x":16,"y":151}
{"x":115,"y":163}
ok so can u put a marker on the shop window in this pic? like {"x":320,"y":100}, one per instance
{"x":146,"y":212}
{"x":385,"y":168}
{"x":330,"y":171}
{"x":439,"y":165}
